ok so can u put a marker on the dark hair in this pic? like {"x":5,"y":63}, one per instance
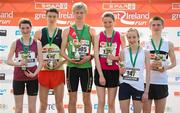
{"x":52,"y":10}
{"x":156,"y":18}
{"x":25,"y":21}
{"x":108,"y":14}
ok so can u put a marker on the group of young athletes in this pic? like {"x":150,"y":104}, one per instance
{"x":138,"y":73}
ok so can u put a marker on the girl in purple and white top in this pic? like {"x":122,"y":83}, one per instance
{"x":27,"y":53}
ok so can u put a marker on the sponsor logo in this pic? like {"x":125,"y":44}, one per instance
{"x":3,"y":32}
{"x":3,"y":91}
{"x":2,"y":76}
{"x":176,"y":6}
{"x":175,"y":16}
{"x":95,"y":106}
{"x":177,"y":79}
{"x":18,"y":32}
{"x":176,"y":93}
{"x":178,"y":33}
{"x":119,"y":6}
{"x":126,"y":18}
{"x":3,"y":47}
{"x":42,"y":5}
{"x":51,"y":107}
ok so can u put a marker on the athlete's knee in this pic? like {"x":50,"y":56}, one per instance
{"x":101,"y":102}
{"x":59,"y":106}
{"x":73,"y":100}
{"x":111,"y":105}
{"x":32,"y":110}
{"x":43,"y":106}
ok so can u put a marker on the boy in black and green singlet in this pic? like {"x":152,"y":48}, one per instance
{"x":77,"y":40}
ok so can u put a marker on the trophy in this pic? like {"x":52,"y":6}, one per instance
{"x":51,"y":63}
{"x":77,"y":45}
{"x":108,"y":52}
{"x":24,"y":58}
{"x":121,"y":64}
{"x":158,"y":58}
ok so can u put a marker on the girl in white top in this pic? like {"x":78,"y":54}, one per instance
{"x":134,"y":59}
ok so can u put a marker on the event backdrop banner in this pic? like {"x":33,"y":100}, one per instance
{"x":128,"y":13}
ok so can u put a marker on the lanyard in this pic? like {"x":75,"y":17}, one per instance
{"x":133,"y":61}
{"x":109,"y":44}
{"x":160,"y":44}
{"x":50,"y":40}
{"x":26,"y":48}
{"x":79,"y":36}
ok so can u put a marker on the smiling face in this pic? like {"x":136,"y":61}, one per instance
{"x":51,"y":17}
{"x":133,"y":38}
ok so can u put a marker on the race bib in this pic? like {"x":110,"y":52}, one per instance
{"x":103,"y":51}
{"x":131,"y":74}
{"x":83,"y":49}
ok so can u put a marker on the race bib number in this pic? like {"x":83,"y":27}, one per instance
{"x":131,"y":74}
{"x":83,"y":49}
{"x":103,"y":51}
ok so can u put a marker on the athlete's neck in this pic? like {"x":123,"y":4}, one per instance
{"x":26,"y":39}
{"x":79,"y":25}
{"x":52,"y":27}
{"x":109,"y":32}
{"x":156,"y":37}
{"x":134,"y":48}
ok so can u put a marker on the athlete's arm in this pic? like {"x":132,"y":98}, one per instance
{"x":147,"y":66}
{"x":122,"y":70}
{"x":10,"y":56}
{"x":40,"y":58}
{"x":38,"y":35}
{"x":171,"y":56}
{"x":97,"y":62}
{"x":64,"y":46}
{"x":123,"y":41}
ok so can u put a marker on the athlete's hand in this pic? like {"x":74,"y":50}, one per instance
{"x":29,"y":74}
{"x":73,"y":61}
{"x":122,"y":70}
{"x":59,"y":64}
{"x":111,"y":57}
{"x":145,"y":97}
{"x":22,"y":63}
{"x":84,"y":60}
{"x":102,"y":80}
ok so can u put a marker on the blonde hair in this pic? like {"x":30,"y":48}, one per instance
{"x":79,"y":5}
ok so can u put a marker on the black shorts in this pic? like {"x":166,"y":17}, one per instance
{"x":73,"y":76}
{"x":157,"y":91}
{"x":31,"y":87}
{"x":126,"y":91}
{"x":111,"y":77}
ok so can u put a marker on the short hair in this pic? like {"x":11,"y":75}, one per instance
{"x":54,"y":10}
{"x":25,"y":21}
{"x":108,"y":14}
{"x":156,"y":18}
{"x":79,"y":5}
